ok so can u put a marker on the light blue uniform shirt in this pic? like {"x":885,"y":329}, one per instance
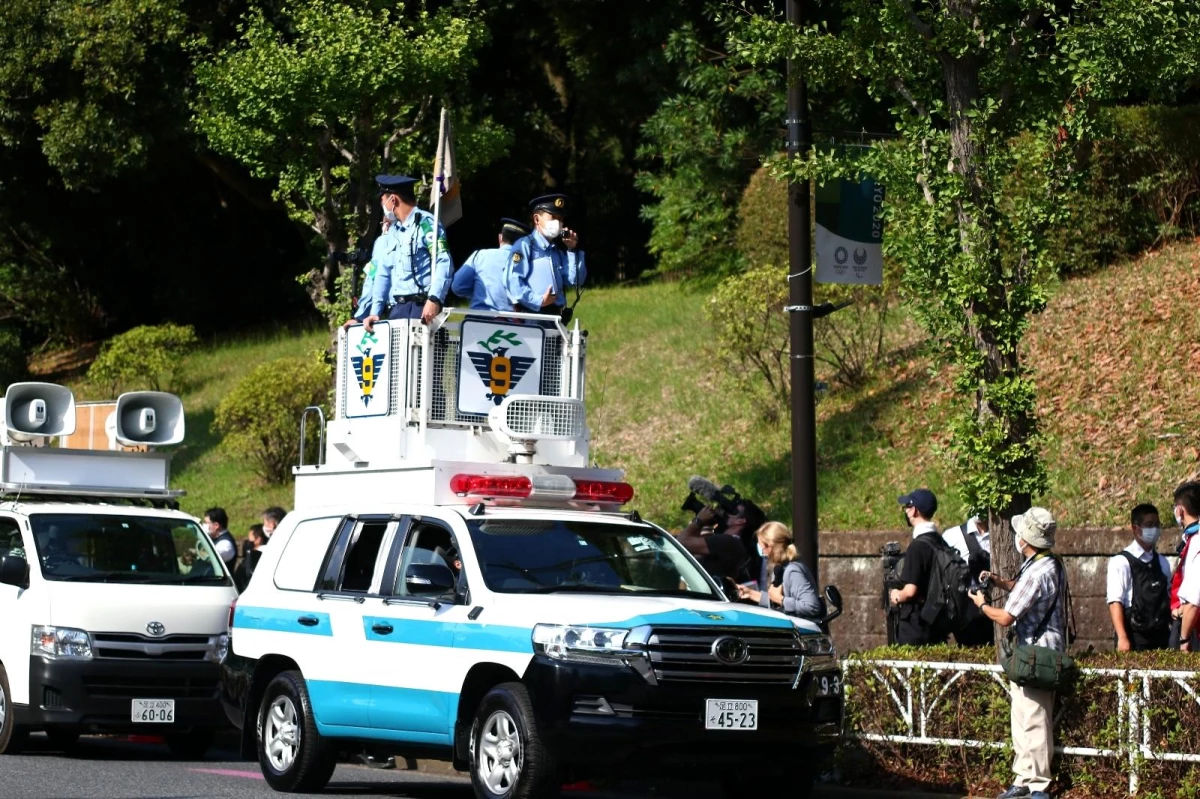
{"x":534,"y":263}
{"x":402,"y":258}
{"x":481,"y":277}
{"x":364,"y":293}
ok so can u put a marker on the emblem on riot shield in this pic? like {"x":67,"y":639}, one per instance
{"x":367,"y":366}
{"x":499,"y":370}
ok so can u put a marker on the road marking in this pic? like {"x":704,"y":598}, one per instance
{"x":229,"y":772}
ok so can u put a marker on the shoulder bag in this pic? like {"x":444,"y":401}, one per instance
{"x":1040,"y":667}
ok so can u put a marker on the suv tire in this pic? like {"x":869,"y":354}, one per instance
{"x":10,"y":740}
{"x":293,"y":757}
{"x":508,"y":758}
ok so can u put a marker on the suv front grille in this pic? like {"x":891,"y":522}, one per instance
{"x":680,"y":654}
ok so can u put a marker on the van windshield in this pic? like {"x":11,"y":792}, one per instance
{"x":106,"y":548}
{"x":528,"y":556}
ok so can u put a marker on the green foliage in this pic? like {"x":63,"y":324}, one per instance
{"x":41,"y":293}
{"x":146,"y":357}
{"x":980,"y":93}
{"x":699,"y":148}
{"x":14,"y":365}
{"x":260,"y":418}
{"x":750,"y":334}
{"x":327,"y":94}
{"x":88,"y":77}
{"x":976,"y":707}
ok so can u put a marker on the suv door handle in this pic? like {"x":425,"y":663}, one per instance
{"x":382,"y":628}
{"x":309,"y":621}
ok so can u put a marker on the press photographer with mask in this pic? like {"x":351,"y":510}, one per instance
{"x":718,"y":532}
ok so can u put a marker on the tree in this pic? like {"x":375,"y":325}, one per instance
{"x":984,"y":93}
{"x":329,"y":93}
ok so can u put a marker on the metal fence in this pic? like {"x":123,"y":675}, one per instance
{"x":917,"y":690}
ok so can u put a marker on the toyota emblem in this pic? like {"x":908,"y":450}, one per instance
{"x":731,"y":651}
{"x":156,"y":628}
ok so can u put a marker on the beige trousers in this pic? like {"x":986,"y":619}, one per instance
{"x":1032,"y":735}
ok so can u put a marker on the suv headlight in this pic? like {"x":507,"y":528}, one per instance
{"x":60,"y":643}
{"x":821,"y":645}
{"x":603,"y":646}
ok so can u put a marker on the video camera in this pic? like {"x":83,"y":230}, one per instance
{"x":724,"y":501}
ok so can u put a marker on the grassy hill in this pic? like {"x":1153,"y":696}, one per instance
{"x":1116,"y":357}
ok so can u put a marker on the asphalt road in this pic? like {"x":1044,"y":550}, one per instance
{"x":118,"y":768}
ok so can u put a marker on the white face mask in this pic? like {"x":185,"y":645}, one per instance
{"x":1020,"y":545}
{"x":389,"y":215}
{"x":762,"y":553}
{"x":551,"y":228}
{"x":1178,"y":516}
{"x":1150,"y":535}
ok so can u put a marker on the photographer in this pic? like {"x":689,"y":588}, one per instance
{"x":1037,"y":606}
{"x":723,"y":535}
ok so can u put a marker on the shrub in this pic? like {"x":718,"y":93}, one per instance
{"x":14,"y":366}
{"x":260,"y":418}
{"x":751,"y":334}
{"x":146,"y":357}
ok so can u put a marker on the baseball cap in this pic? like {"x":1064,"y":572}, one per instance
{"x":922,"y":499}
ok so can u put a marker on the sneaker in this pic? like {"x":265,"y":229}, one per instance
{"x":1014,"y":792}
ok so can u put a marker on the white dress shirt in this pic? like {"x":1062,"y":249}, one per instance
{"x":1189,"y":589}
{"x":955,"y":538}
{"x":1120,"y":577}
{"x":920,"y":528}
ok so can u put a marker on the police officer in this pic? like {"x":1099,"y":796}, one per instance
{"x":481,"y":277}
{"x":406,"y":278}
{"x":546,"y":261}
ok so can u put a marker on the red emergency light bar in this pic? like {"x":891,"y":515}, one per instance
{"x":521,"y":487}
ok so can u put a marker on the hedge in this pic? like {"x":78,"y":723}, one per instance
{"x":975,"y":708}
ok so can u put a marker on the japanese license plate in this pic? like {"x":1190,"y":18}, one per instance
{"x":157,"y":711}
{"x":828,"y":684}
{"x":731,"y":714}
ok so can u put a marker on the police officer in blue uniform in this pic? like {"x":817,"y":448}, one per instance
{"x":407,"y":283}
{"x":545,"y":262}
{"x":481,"y":276}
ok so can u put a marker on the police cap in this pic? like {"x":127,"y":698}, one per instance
{"x":514,"y":227}
{"x":557,"y":204}
{"x":396,"y":184}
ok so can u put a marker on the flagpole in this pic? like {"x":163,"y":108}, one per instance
{"x":437,"y":202}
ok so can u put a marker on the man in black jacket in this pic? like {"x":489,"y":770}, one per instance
{"x":917,"y":571}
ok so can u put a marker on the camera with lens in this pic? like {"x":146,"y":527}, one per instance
{"x":891,"y":557}
{"x":703,"y":494}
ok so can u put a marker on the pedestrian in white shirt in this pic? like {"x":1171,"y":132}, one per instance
{"x":1139,"y":587}
{"x":1185,"y":582}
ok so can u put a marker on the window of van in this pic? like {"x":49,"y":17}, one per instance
{"x":114,"y":548}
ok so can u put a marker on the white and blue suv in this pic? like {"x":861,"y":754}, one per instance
{"x":527,"y":646}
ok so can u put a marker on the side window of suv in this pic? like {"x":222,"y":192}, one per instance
{"x":301,"y":561}
{"x":428,"y":543}
{"x":352,"y":561}
{"x":10,"y":537}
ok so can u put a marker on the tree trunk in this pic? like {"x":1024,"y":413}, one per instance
{"x":978,"y":240}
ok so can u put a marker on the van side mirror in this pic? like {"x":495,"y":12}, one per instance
{"x":429,"y":579}
{"x":14,"y":570}
{"x":833,"y":603}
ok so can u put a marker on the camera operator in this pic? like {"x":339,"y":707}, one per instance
{"x":722,"y":555}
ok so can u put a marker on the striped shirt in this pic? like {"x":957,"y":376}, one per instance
{"x":1038,"y":588}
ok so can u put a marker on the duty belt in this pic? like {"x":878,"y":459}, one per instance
{"x":399,"y":298}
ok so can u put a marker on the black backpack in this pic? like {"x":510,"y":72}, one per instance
{"x":1150,"y":610}
{"x":947,"y":607}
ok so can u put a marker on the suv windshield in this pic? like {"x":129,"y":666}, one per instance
{"x":528,"y":556}
{"x":105,"y":548}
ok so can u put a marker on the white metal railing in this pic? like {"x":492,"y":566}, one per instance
{"x":916,"y":690}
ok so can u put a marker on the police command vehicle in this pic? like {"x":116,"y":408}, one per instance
{"x":456,"y":583}
{"x":113,"y":604}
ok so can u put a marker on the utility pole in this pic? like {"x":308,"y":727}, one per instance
{"x":804,"y":420}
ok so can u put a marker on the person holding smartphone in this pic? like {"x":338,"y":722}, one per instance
{"x":545,"y":263}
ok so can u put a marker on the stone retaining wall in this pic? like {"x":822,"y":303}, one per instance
{"x":852,"y":562}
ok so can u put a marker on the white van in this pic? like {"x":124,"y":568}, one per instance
{"x":113,"y":604}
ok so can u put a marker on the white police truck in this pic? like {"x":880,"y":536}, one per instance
{"x":455,"y":583}
{"x":113,"y":603}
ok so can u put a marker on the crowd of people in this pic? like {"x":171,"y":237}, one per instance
{"x":410,"y":274}
{"x":241,"y":565}
{"x":1151,"y":605}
